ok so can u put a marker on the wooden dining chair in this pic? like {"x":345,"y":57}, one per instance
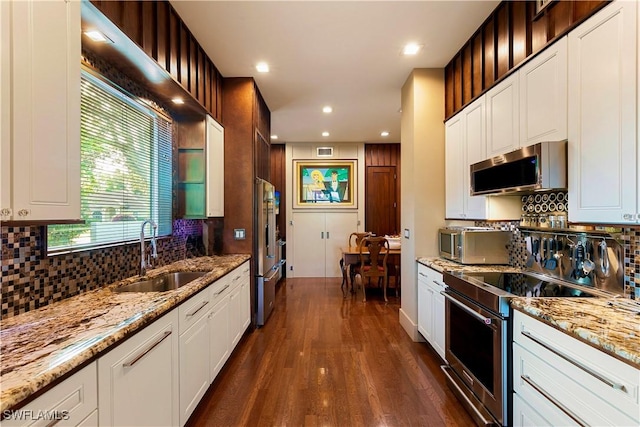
{"x":373,"y":262}
{"x":349,"y":271}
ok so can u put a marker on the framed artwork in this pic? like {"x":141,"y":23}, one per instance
{"x":541,"y":5}
{"x":325,"y":184}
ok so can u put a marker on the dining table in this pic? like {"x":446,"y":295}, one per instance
{"x":351,"y":255}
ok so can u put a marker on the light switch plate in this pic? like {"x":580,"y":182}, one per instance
{"x":406,"y":233}
{"x":239,"y":233}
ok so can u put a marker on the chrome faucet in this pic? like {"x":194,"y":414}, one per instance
{"x":146,"y":254}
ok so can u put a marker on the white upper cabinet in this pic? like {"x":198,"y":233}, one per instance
{"x":543,"y":96}
{"x":215,"y":168}
{"x":5,"y":117}
{"x":454,"y":167}
{"x":503,"y":119}
{"x":465,"y":144}
{"x":602,"y":144}
{"x":45,"y":110}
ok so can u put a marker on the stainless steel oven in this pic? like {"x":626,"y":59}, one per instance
{"x":477,"y":338}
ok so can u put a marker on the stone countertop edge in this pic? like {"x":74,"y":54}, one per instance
{"x":41,"y":346}
{"x":590,"y":320}
{"x":594,"y":321}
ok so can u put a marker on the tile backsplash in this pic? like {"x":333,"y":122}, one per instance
{"x":30,"y":279}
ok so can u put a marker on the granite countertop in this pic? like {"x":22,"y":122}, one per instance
{"x":441,"y":265}
{"x":42,"y":345}
{"x":608,"y":324}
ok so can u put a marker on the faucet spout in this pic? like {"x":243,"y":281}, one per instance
{"x":146,"y":255}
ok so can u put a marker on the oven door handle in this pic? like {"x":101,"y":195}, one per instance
{"x":485,"y":320}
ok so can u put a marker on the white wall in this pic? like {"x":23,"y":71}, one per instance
{"x":307,"y":151}
{"x":423,"y":190}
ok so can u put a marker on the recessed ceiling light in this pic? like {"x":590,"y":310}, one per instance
{"x":411,"y":49}
{"x":178,"y":101}
{"x":384,"y":133}
{"x":327,"y":109}
{"x":262,"y":67}
{"x":325,"y":133}
{"x":274,"y":136}
{"x":97,"y":36}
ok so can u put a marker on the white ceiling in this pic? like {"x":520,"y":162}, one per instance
{"x":340,"y":53}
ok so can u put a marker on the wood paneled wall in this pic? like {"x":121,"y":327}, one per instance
{"x":510,"y":35}
{"x":278,"y":179}
{"x":156,"y":27}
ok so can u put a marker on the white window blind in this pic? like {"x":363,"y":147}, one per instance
{"x":126,"y":171}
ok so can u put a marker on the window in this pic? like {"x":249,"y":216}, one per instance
{"x":125,"y":172}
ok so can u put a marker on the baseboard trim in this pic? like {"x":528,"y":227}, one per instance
{"x":410,"y":327}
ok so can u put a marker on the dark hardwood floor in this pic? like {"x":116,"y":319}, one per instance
{"x":322,"y":360}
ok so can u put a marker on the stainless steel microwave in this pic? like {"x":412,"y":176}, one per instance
{"x":542,"y":166}
{"x":474,"y":245}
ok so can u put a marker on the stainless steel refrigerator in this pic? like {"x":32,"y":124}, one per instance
{"x":267,"y":266}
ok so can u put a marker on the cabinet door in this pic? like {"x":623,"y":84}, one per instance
{"x":5,"y":116}
{"x":526,"y":416}
{"x":235,"y":319}
{"x":46,"y":110}
{"x":245,"y":302}
{"x":308,"y":251}
{"x":194,"y":366}
{"x":438,"y":319}
{"x":475,"y":150}
{"x":602,"y":146}
{"x":77,"y":397}
{"x":503,"y":132}
{"x":138,"y":380}
{"x":424,"y":307}
{"x":454,"y":167}
{"x":219,"y":337}
{"x":543,"y":96}
{"x":339,"y":227}
{"x":215,"y":168}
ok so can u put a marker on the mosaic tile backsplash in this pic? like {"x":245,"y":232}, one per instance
{"x":31,"y":280}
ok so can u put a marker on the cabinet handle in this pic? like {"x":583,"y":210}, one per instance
{"x":322,"y":234}
{"x":193,"y":313}
{"x":439,"y":283}
{"x":327,"y":234}
{"x":612,"y":384}
{"x":144,"y":353}
{"x":553,"y":400}
{"x":54,"y":422}
{"x":485,"y":320}
{"x":423,"y":275}
{"x":221,"y":290}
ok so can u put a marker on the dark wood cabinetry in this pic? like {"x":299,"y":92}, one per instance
{"x":247,"y":119}
{"x":513,"y":33}
{"x":158,"y":30}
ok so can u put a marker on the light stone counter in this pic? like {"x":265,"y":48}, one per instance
{"x":604,"y":323}
{"x":608,"y":324}
{"x":40,"y":346}
{"x":441,"y":265}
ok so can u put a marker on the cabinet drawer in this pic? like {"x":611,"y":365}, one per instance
{"x":70,"y":402}
{"x":193,"y":309}
{"x":584,"y":377}
{"x":220,"y":289}
{"x":237,"y":275}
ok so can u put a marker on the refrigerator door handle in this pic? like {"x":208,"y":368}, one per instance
{"x":275,"y":272}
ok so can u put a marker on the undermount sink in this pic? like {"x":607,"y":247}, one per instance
{"x":165,"y":282}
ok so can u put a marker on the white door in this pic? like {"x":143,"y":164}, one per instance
{"x":502,"y":117}
{"x":339,"y":227}
{"x":308,"y":251}
{"x":602,"y":146}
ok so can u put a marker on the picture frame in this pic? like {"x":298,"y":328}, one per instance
{"x":320,"y":184}
{"x":541,"y":5}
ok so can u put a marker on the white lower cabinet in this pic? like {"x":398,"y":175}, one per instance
{"x":558,"y":380}
{"x":431,"y":315}
{"x":194,"y":352}
{"x":73,"y":402}
{"x":219,"y":337}
{"x":138,"y":383}
{"x":239,"y":305}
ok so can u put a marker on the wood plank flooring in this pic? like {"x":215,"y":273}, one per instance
{"x":322,"y":360}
